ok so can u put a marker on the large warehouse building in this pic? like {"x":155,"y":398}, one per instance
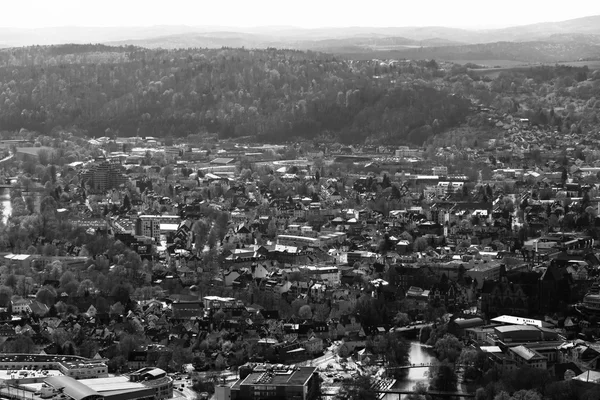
{"x":145,"y":384}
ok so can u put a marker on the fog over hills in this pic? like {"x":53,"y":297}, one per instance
{"x":576,"y":38}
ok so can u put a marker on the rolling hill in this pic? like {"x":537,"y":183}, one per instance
{"x":544,"y":42}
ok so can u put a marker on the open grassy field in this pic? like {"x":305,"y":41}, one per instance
{"x":498,"y":66}
{"x":493,"y":63}
{"x":592,"y":65}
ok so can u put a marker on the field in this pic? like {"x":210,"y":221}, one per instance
{"x":507,"y":65}
{"x":592,"y":65}
{"x":494,"y":63}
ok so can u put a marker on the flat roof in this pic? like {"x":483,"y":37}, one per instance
{"x":295,"y":378}
{"x":293,"y":237}
{"x":19,"y":257}
{"x":519,"y":328}
{"x":25,"y":358}
{"x":111,"y":384}
{"x":169,"y":227}
{"x":509,"y":319}
{"x":71,"y":387}
{"x":491,"y":349}
{"x":6,"y":374}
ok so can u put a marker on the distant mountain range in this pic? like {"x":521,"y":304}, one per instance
{"x":544,"y":42}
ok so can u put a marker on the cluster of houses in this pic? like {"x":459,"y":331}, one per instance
{"x":515,"y":238}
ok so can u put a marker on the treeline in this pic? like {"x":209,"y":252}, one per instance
{"x":274,"y":95}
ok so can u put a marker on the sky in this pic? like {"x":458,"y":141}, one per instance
{"x":304,"y":13}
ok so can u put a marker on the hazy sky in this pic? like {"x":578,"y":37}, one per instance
{"x":303,"y":13}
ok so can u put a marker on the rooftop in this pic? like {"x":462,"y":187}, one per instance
{"x":71,"y":387}
{"x":101,"y":385}
{"x":44,"y":358}
{"x":288,"y":376}
{"x":526,"y":354}
{"x":509,"y":319}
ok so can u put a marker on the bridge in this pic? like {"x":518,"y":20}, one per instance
{"x":332,"y":392}
{"x":410,"y":330}
{"x":436,"y":393}
{"x":410,"y":366}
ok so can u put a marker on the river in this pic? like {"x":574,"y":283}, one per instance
{"x":419,"y":354}
{"x":6,"y":208}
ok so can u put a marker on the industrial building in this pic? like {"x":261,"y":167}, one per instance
{"x":145,"y":384}
{"x":72,"y":366}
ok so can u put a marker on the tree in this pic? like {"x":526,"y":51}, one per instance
{"x":121,"y":293}
{"x":11,"y":281}
{"x":527,"y":378}
{"x":272,"y":229}
{"x":297,"y":304}
{"x":166,"y":172}
{"x":200,"y":229}
{"x":126,"y":203}
{"x":526,"y":395}
{"x":66,"y":278}
{"x":420,"y":244}
{"x":420,"y":392}
{"x":305,"y":312}
{"x":359,"y":388}
{"x":85,"y":287}
{"x":21,"y":344}
{"x":502,"y":396}
{"x":443,"y":377}
{"x":321,"y":313}
{"x":448,"y":348}
{"x":401,"y":319}
{"x":5,"y":295}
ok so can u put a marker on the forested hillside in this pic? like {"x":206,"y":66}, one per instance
{"x":273,"y":95}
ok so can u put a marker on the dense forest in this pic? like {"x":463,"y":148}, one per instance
{"x":272,"y":95}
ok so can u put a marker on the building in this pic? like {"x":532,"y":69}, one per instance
{"x":21,"y":261}
{"x":440,"y":171}
{"x":512,"y":335}
{"x":591,"y":301}
{"x":72,"y":366}
{"x":145,"y":384}
{"x":103,"y":175}
{"x":142,"y":245}
{"x":154,"y":378}
{"x":484,"y":272}
{"x":525,"y":357}
{"x":155,"y":225}
{"x":298,"y":241}
{"x":273,"y":382}
{"x":417,"y":298}
{"x":407,"y":152}
{"x":458,"y":327}
{"x":214,"y":302}
{"x":330,"y":274}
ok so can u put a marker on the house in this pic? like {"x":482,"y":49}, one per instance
{"x":314,"y":345}
{"x":417,"y":298}
{"x":21,"y":306}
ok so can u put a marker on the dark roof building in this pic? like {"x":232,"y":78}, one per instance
{"x":274,"y":382}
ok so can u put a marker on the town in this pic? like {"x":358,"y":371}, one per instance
{"x":141,"y":267}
